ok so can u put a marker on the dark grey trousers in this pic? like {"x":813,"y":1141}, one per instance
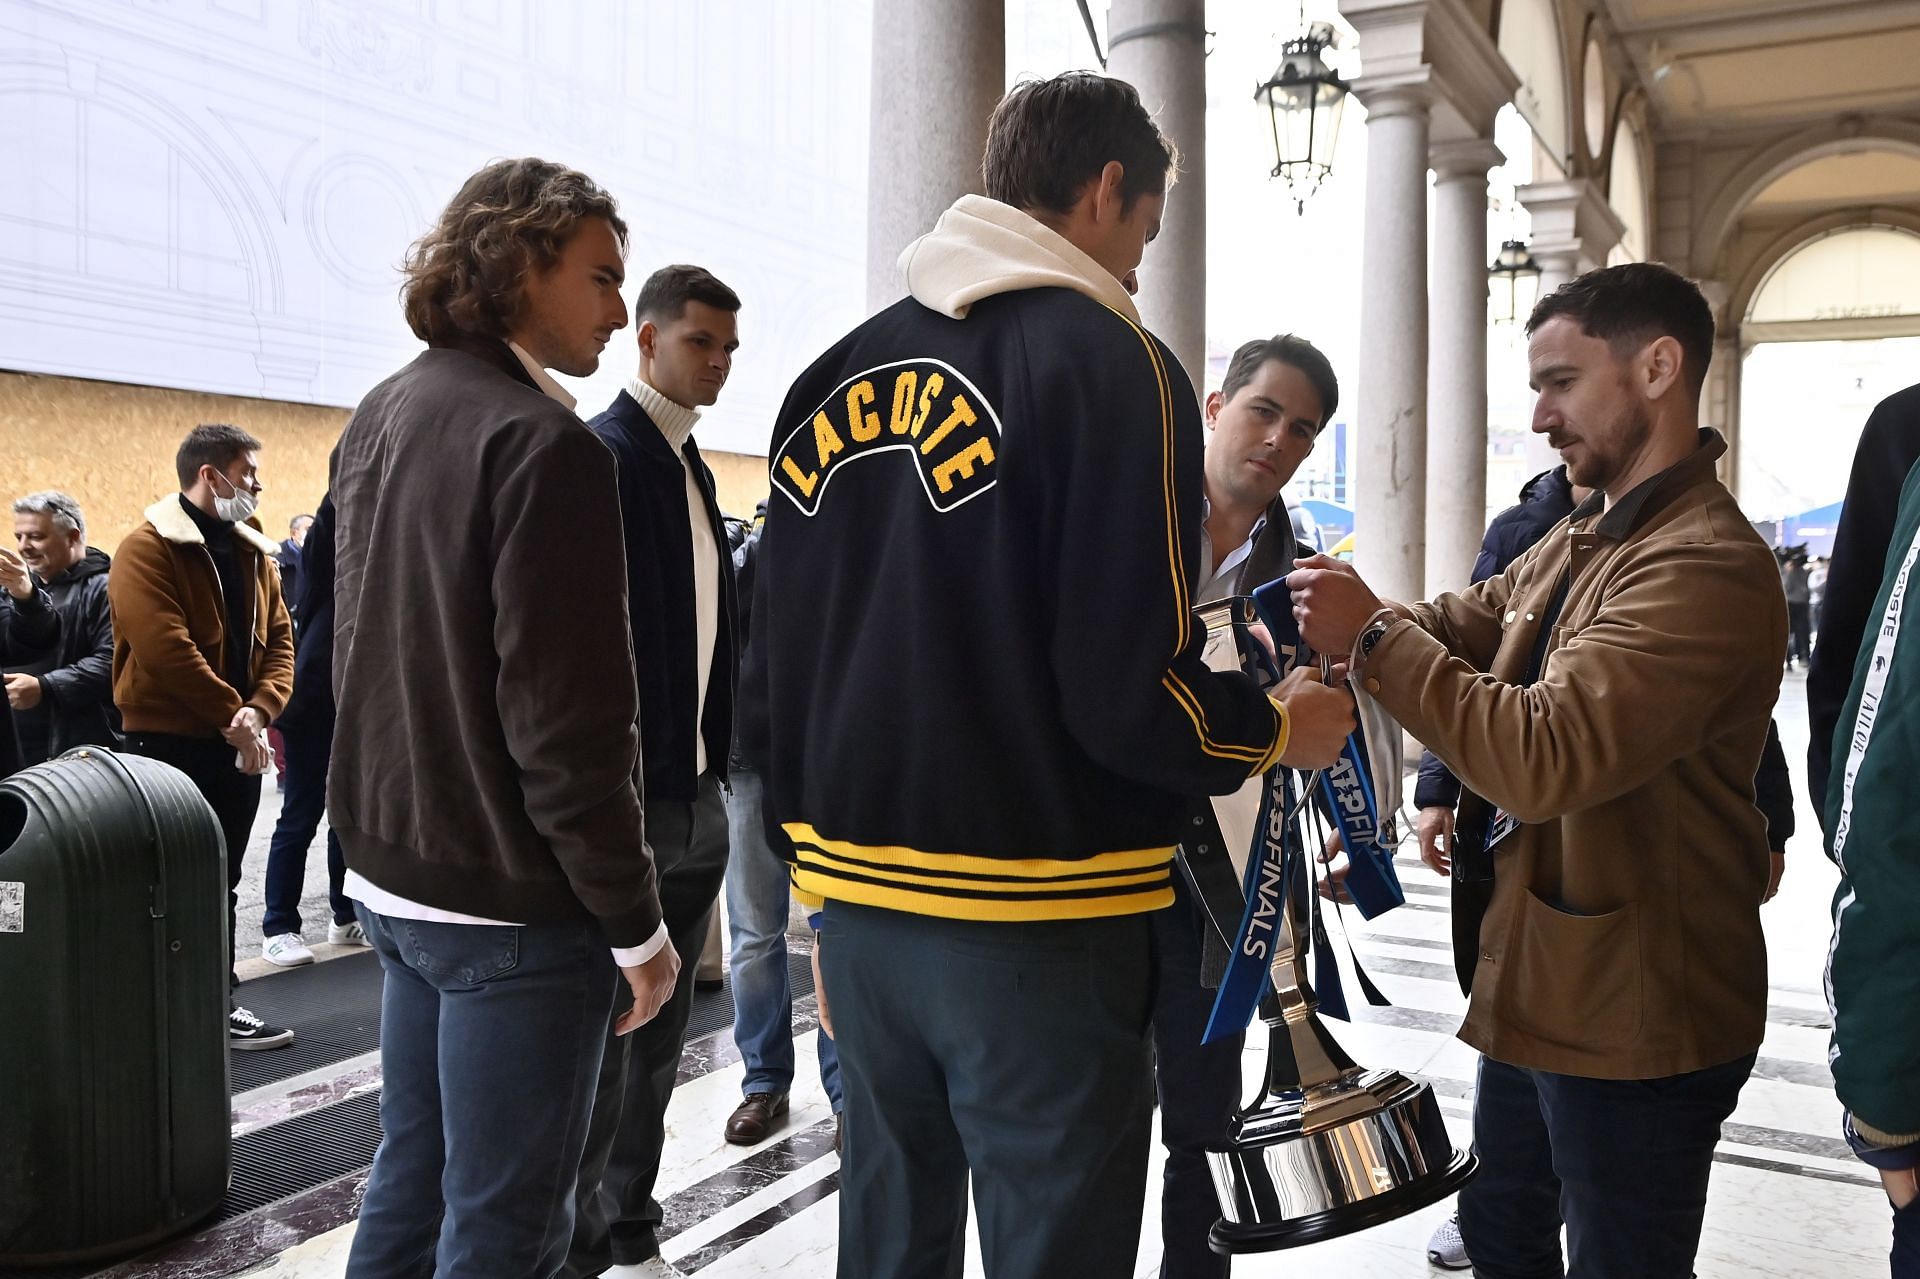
{"x":616,"y":1216}
{"x":1017,"y":1053}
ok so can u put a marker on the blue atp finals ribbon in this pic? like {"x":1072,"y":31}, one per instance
{"x":1371,"y":881}
{"x":1269,"y":869}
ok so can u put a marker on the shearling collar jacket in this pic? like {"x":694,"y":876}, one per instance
{"x":170,"y":627}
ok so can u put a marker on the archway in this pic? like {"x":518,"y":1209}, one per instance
{"x":1760,"y":176}
{"x":1830,"y":326}
{"x":207,"y":242}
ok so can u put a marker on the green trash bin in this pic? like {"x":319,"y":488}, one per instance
{"x":115,"y":1129}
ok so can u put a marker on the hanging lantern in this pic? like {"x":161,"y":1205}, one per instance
{"x":1304,"y":98}
{"x":1512,"y":281}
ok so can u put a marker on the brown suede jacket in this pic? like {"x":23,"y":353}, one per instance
{"x":170,"y":627}
{"x":486,"y":758}
{"x":1622,"y":939}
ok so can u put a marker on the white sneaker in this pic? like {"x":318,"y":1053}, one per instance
{"x":286,"y":950}
{"x":348,"y":934}
{"x":1446,"y":1249}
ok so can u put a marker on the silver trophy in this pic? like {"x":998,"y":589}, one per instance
{"x":1327,"y":1147}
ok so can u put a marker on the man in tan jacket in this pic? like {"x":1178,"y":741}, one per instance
{"x":203,"y":647}
{"x":1605,"y":702}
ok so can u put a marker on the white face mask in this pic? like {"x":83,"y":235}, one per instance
{"x":240,"y":506}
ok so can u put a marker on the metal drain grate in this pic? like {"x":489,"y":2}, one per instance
{"x":272,"y":1163}
{"x":333,"y":1008}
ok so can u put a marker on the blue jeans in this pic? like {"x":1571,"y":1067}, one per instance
{"x":303,"y":802}
{"x":757,"y":896}
{"x":490,"y":1041}
{"x":1622,"y":1162}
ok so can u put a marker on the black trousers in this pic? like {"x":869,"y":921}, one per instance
{"x":1016,"y":1052}
{"x":1799,"y":632}
{"x":616,"y":1215}
{"x":1199,"y":1086}
{"x":1623,"y":1163}
{"x":1904,"y":1260}
{"x":208,"y":763}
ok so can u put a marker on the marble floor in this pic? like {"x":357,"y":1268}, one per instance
{"x":1787,"y":1198}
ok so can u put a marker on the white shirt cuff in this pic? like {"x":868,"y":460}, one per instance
{"x":634,"y":956}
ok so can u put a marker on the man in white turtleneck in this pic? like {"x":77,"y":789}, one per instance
{"x":680,"y":598}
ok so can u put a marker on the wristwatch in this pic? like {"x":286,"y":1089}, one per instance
{"x":1370,"y":635}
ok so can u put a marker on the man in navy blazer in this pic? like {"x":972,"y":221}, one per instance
{"x":680,"y":594}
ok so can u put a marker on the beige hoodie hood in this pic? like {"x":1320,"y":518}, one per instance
{"x":981,"y":247}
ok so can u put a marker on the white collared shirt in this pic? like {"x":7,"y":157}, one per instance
{"x":541,"y":378}
{"x":676,"y":423}
{"x":1218,"y":583}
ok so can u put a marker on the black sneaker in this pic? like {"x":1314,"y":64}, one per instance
{"x":248,"y":1033}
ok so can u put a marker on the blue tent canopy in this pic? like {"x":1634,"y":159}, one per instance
{"x":1335,"y":521}
{"x":1815,"y":528}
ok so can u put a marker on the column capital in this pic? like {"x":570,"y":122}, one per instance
{"x":1397,"y":93}
{"x":1195,"y":31}
{"x":1448,"y":46}
{"x":1392,"y":34}
{"x":1571,"y":218}
{"x":1464,"y":158}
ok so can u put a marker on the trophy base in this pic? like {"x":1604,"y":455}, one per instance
{"x":1229,"y":1238}
{"x":1306,"y":1165}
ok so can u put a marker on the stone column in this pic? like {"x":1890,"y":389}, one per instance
{"x":1722,"y":411}
{"x":1557,"y":266}
{"x":1457,"y":363}
{"x":1720,"y":397}
{"x":1159,"y":47}
{"x":1390,"y":516}
{"x":938,"y":68}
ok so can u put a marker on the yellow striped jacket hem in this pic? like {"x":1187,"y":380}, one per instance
{"x":964,"y":886}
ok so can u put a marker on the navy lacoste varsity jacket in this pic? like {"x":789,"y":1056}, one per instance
{"x":984,"y":690}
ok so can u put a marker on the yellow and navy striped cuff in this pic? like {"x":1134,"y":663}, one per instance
{"x":1282,"y":731}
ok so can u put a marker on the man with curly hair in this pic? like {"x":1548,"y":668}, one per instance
{"x":485,"y":780}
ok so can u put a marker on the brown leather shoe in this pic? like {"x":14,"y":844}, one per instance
{"x":753,"y":1118}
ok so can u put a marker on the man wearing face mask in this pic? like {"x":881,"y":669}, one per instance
{"x":203,"y":647}
{"x":680,"y":605}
